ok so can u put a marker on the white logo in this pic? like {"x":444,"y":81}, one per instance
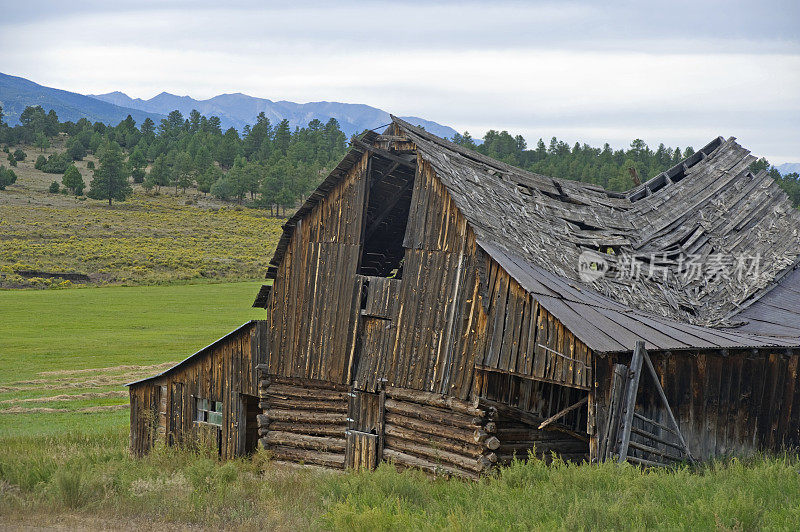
{"x":592,"y":266}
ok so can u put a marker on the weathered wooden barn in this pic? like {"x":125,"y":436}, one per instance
{"x":440,"y":309}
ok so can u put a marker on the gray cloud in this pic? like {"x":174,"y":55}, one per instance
{"x":678,"y":72}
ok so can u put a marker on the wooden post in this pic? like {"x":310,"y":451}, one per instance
{"x":612,"y":416}
{"x":635,"y":371}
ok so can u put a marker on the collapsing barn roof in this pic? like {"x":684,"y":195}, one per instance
{"x":710,"y":206}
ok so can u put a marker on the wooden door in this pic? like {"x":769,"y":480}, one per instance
{"x":365,"y":415}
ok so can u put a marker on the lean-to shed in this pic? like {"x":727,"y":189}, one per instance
{"x":208,"y":399}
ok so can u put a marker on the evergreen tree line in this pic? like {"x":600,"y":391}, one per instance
{"x":270,"y":166}
{"x":273,"y":166}
{"x":604,"y":166}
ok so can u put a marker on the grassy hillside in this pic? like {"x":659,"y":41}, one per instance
{"x":146,"y":240}
{"x":66,"y":354}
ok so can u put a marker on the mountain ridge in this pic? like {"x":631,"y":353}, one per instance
{"x":17,"y":93}
{"x":238,"y":109}
{"x":234,"y":109}
{"x":788,"y":168}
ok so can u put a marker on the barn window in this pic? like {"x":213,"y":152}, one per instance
{"x":389,"y":199}
{"x":209,"y":411}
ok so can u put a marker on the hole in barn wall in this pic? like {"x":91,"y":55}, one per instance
{"x":386,"y":219}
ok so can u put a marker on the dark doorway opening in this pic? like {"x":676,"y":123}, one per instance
{"x":250,"y":411}
{"x":524,"y":404}
{"x":390,"y":186}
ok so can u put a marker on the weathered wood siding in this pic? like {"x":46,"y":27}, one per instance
{"x":725,"y":404}
{"x":145,"y":402}
{"x":313,"y":303}
{"x":453,"y":308}
{"x":524,"y":339}
{"x":221,"y":372}
{"x":426,"y":331}
{"x":435,"y":325}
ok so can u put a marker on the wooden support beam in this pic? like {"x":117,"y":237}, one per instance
{"x":643,"y":462}
{"x":650,"y":436}
{"x":564,"y":412}
{"x":652,"y":450}
{"x":637,"y":415}
{"x":388,"y":209}
{"x":374,"y":182}
{"x":527,"y":418}
{"x":634,"y":372}
{"x":385,"y":154}
{"x":392,"y":138}
{"x":612,"y":417}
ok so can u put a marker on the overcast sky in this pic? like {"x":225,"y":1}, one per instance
{"x":674,"y":72}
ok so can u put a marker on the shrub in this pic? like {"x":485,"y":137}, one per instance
{"x":20,"y":155}
{"x":11,"y":160}
{"x":56,"y":163}
{"x":222,"y":189}
{"x":40,"y":162}
{"x":7,"y":177}
{"x":90,"y":165}
{"x":54,"y":187}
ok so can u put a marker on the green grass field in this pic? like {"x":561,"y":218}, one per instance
{"x":80,"y":346}
{"x":64,"y":459}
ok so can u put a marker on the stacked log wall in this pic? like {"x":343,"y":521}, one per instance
{"x":438,"y":434}
{"x":303,"y":420}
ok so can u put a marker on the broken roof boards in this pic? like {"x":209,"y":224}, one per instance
{"x":708,"y":206}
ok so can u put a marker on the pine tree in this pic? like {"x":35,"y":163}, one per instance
{"x":160,"y":175}
{"x":137,"y":163}
{"x":207,"y":178}
{"x":184,"y":172}
{"x":42,"y":142}
{"x":73,"y":180}
{"x":148,"y":128}
{"x":110,"y":179}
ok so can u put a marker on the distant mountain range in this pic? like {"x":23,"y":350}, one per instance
{"x":788,"y":168}
{"x":234,"y":110}
{"x":18,"y":93}
{"x":237,"y":110}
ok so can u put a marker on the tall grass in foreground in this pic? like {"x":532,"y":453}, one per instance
{"x":94,"y":476}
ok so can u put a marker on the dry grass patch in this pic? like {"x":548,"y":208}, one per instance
{"x":145,"y":240}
